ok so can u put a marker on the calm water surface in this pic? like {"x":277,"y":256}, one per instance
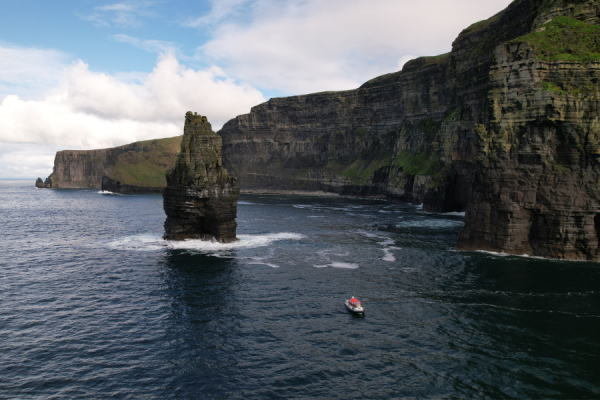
{"x":93,"y":304}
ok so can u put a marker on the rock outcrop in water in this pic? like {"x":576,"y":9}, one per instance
{"x":138,"y":167}
{"x":200,"y":199}
{"x":505,"y":127}
{"x":40,"y":184}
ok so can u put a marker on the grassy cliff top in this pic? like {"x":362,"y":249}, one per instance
{"x":148,"y":167}
{"x":415,"y":65}
{"x":172,"y":143}
{"x":481,"y":25}
{"x":565,"y":39}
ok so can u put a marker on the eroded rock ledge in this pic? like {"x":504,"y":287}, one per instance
{"x":200,"y":199}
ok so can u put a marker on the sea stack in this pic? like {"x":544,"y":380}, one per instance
{"x":40,"y":184}
{"x":200,"y":199}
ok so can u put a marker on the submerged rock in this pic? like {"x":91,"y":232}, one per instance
{"x":200,"y":199}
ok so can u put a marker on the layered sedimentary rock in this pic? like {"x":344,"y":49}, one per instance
{"x":537,"y":190}
{"x":200,"y":199}
{"x":504,"y":127}
{"x":134,"y":168}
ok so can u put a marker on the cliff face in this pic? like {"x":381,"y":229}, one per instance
{"x":537,"y":190}
{"x":136,"y":167}
{"x":504,"y":127}
{"x":392,"y":136}
{"x":200,"y":199}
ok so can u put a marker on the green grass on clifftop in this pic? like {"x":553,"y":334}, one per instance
{"x":417,"y":164}
{"x":481,"y":25}
{"x":148,"y":168}
{"x":565,"y":39}
{"x":362,"y":170}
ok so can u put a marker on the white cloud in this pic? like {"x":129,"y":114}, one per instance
{"x":301,"y":46}
{"x":220,"y":9}
{"x":153,"y":46}
{"x":124,"y":15}
{"x":26,"y":161}
{"x":95,"y":110}
{"x":29,"y":72}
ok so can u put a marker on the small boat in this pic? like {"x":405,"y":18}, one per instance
{"x":355,"y":306}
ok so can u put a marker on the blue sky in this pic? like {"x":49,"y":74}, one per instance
{"x":83,"y":30}
{"x":91,"y":74}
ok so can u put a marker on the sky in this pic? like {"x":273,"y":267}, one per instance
{"x":87,"y":74}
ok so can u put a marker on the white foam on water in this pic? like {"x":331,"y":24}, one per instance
{"x":419,"y":207}
{"x":430,"y":223}
{"x":107,"y":192}
{"x":386,"y":240}
{"x":359,"y":215}
{"x":139,"y":243}
{"x":503,"y":254}
{"x":244,"y":203}
{"x":344,"y":265}
{"x":339,"y":265}
{"x":263,"y":263}
{"x":153,"y":243}
{"x":325,"y":253}
{"x":457,"y":214}
{"x":388,"y":256}
{"x":449,"y":214}
{"x":301,"y":206}
{"x":372,"y":235}
{"x":316,"y":216}
{"x":385,"y":212}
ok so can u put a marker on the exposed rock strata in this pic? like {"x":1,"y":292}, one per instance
{"x":491,"y":128}
{"x":200,"y":199}
{"x":537,"y":187}
{"x":138,"y":167}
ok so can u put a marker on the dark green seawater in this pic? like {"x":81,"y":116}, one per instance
{"x":93,"y":304}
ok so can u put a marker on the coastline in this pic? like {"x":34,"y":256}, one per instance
{"x":290,"y":192}
{"x":317,"y":193}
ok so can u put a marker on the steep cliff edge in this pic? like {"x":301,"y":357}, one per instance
{"x":537,"y":189}
{"x":504,"y":127}
{"x":200,"y":199}
{"x":136,"y":167}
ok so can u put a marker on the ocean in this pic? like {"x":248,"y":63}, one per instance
{"x":94,"y":304}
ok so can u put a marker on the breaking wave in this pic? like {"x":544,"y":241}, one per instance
{"x":339,"y":265}
{"x":153,"y":243}
{"x":109,"y":193}
{"x":430,"y":223}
